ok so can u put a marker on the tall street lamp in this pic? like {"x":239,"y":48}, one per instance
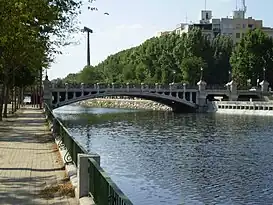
{"x":264,"y":73}
{"x":88,"y":30}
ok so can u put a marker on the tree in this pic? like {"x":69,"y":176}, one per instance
{"x":179,"y":58}
{"x":250,"y":56}
{"x":30,"y":34}
{"x":191,"y":69}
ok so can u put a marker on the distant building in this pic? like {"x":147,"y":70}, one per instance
{"x":234,"y":26}
{"x":268,"y":31}
{"x":163,"y":33}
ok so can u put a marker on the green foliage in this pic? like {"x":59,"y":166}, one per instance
{"x":30,"y":34}
{"x":165,"y":59}
{"x":180,"y":58}
{"x":251,"y":56}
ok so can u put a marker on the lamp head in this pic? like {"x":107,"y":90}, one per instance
{"x":87,"y":29}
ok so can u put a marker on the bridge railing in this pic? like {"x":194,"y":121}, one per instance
{"x":216,"y":87}
{"x":101,"y":187}
{"x":242,"y":103}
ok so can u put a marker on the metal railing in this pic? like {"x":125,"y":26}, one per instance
{"x":103,"y":190}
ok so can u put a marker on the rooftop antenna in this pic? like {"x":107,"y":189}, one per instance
{"x":205,"y":5}
{"x":186,"y":18}
{"x":244,"y":5}
{"x":236,"y":5}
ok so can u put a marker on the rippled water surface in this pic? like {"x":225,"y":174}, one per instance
{"x":160,"y":158}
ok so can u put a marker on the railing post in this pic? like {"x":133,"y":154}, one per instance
{"x":142,"y":87}
{"x":83,"y":173}
{"x":170,"y":86}
{"x":156,"y":87}
{"x":128,"y":87}
{"x":98,"y":88}
{"x":184,"y":91}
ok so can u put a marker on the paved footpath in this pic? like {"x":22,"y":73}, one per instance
{"x":28,"y":162}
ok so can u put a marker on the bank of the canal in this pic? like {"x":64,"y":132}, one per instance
{"x":165,"y":158}
{"x":124,"y":103}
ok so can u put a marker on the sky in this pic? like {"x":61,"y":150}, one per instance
{"x":131,"y":22}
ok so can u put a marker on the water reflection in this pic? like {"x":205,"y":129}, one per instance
{"x":162,"y":158}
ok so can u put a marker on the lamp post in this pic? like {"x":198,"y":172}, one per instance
{"x":264,"y":73}
{"x":201,"y":76}
{"x":88,"y":30}
{"x":174,"y":76}
{"x":229,"y":76}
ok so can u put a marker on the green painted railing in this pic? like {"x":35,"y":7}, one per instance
{"x":103,"y":190}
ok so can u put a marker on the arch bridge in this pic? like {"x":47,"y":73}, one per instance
{"x":180,"y":97}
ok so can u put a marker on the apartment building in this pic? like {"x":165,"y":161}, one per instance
{"x":235,"y":25}
{"x":163,"y":33}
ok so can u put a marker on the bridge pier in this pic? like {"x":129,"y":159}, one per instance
{"x":82,"y":89}
{"x":264,"y":86}
{"x":233,"y":92}
{"x":58,"y":97}
{"x":202,"y":96}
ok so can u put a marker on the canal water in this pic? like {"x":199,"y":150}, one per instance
{"x":161,"y":158}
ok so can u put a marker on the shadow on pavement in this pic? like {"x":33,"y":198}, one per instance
{"x":17,"y":194}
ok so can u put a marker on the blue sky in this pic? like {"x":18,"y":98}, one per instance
{"x":132,"y":22}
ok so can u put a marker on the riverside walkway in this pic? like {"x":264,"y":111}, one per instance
{"x":29,"y":161}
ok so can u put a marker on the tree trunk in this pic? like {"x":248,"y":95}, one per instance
{"x":15,"y":99}
{"x":6,"y":102}
{"x":2,"y":95}
{"x":37,"y":95}
{"x":40,"y":89}
{"x":12,"y":102}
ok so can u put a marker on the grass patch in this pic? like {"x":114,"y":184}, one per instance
{"x":65,"y":188}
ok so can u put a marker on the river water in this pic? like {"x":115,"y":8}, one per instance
{"x":161,"y":158}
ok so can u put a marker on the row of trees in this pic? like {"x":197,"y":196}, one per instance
{"x":179,"y":58}
{"x":31,"y":32}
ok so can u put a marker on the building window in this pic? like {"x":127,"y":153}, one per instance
{"x":238,"y":26}
{"x":244,"y":26}
{"x":243,"y":35}
{"x":238,"y":35}
{"x":250,"y":25}
{"x":207,"y":16}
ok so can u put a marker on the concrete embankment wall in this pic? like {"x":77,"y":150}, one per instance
{"x":245,"y":112}
{"x":125,"y":103}
{"x":243,"y":108}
